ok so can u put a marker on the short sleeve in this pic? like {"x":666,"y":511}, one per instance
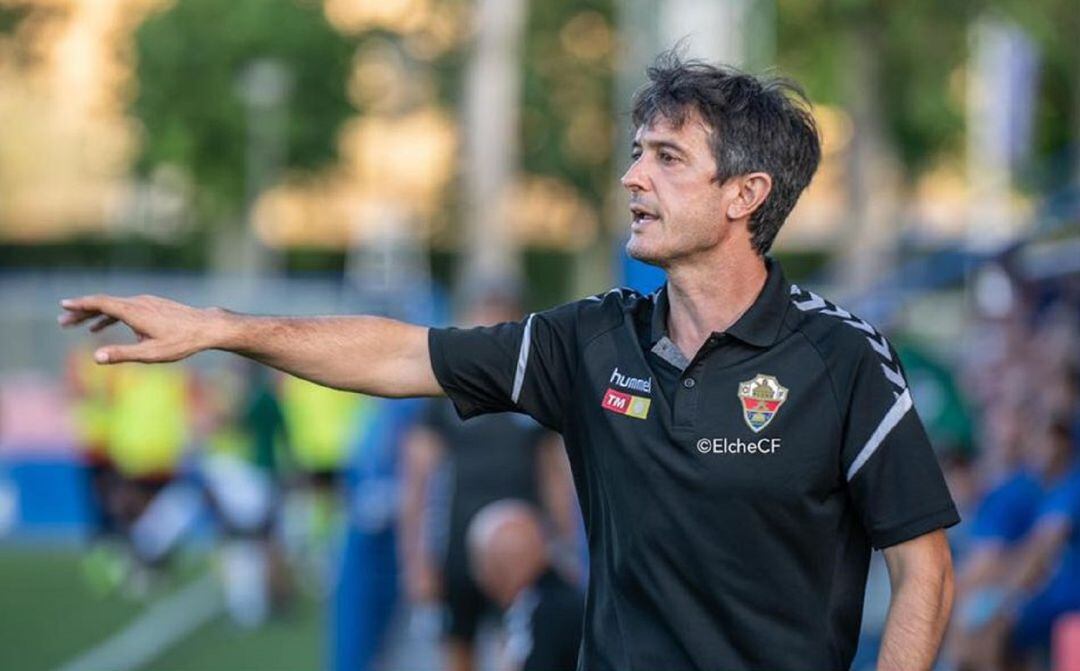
{"x":526,"y":366}
{"x":892,"y":473}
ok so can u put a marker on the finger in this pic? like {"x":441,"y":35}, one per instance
{"x":75,"y":318}
{"x":102,"y":324}
{"x":147,"y":351}
{"x":95,"y":304}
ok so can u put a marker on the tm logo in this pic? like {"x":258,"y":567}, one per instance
{"x":626,"y":404}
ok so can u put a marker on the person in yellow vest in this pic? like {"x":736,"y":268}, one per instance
{"x":319,"y":421}
{"x":321,"y":424}
{"x":88,"y":386}
{"x":149,"y":427}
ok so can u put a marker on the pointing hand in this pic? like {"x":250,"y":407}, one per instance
{"x":166,"y":330}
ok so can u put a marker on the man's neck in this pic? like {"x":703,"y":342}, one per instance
{"x":710,"y":294}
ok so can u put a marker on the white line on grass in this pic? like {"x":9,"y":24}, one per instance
{"x":160,"y":626}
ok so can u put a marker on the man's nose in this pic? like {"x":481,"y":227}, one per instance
{"x":634,"y":178}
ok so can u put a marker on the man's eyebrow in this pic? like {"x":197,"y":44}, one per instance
{"x":658,"y":144}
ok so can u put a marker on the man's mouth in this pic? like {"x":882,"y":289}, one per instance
{"x":642,"y":215}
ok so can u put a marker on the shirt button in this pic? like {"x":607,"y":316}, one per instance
{"x":689,"y":383}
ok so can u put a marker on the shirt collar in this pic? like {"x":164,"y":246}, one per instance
{"x":759,"y":325}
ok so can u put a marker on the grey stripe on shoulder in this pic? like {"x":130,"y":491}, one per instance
{"x":888,"y":423}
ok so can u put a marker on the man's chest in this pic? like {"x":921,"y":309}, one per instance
{"x":735,"y":421}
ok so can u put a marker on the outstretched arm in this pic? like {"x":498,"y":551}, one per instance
{"x":372,"y":355}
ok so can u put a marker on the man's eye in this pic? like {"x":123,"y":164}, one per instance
{"x":666,"y":157}
{"x":635,"y":155}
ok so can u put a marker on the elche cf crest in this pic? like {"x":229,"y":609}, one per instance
{"x":761,"y":398}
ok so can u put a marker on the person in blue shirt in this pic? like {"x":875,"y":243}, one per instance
{"x":1008,"y":508}
{"x":365,"y":584}
{"x":1041,"y":580}
{"x":1002,"y":516}
{"x":1007,"y":511}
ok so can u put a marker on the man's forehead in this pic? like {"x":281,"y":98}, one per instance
{"x":691,"y":129}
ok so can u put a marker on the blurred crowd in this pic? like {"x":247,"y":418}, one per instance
{"x":167,"y":448}
{"x":1017,"y":554}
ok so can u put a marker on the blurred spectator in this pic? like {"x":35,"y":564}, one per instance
{"x":242,"y":473}
{"x":90,"y":393}
{"x":543,"y":611}
{"x":365,"y":582}
{"x":481,"y":460}
{"x":1014,"y":615}
{"x":150,"y":419}
{"x":1004,"y":515}
{"x":1021,"y":574}
{"x":89,"y":387}
{"x":321,"y":423}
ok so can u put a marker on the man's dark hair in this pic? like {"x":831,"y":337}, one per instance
{"x":758,"y":125}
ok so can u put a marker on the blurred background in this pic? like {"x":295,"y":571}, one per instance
{"x":389,"y":157}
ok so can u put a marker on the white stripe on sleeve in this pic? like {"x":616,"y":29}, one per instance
{"x":888,"y":423}
{"x":523,"y":360}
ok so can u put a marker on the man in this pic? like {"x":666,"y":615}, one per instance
{"x":738,"y":444}
{"x":150,"y":424}
{"x":473,"y":463}
{"x":1004,"y":514}
{"x":510,"y":559}
{"x":366,"y":572}
{"x":89,"y":388}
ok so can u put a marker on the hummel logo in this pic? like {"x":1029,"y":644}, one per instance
{"x":627,"y":382}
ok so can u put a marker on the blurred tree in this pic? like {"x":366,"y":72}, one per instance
{"x":913,"y":49}
{"x":1054,"y":26}
{"x":191,"y":58}
{"x":10,"y":15}
{"x":923,"y":48}
{"x":567,"y":122}
{"x":890,"y":65}
{"x":568,"y":127}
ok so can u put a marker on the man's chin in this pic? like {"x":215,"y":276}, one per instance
{"x":638,"y":251}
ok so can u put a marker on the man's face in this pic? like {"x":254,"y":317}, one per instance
{"x":676,"y":204}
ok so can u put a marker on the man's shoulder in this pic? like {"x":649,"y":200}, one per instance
{"x":593,"y":315}
{"x":841,"y":337}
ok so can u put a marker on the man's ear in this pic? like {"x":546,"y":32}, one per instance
{"x":753,"y":189}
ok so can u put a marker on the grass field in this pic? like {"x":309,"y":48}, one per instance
{"x":49,"y":615}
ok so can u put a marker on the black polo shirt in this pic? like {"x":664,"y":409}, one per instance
{"x":731,"y":500}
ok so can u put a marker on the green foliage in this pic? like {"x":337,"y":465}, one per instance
{"x":925,"y":44}
{"x":923,"y":48}
{"x":190,"y":59}
{"x":10,"y":16}
{"x":921,"y":44}
{"x":122,"y":250}
{"x":559,"y":87}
